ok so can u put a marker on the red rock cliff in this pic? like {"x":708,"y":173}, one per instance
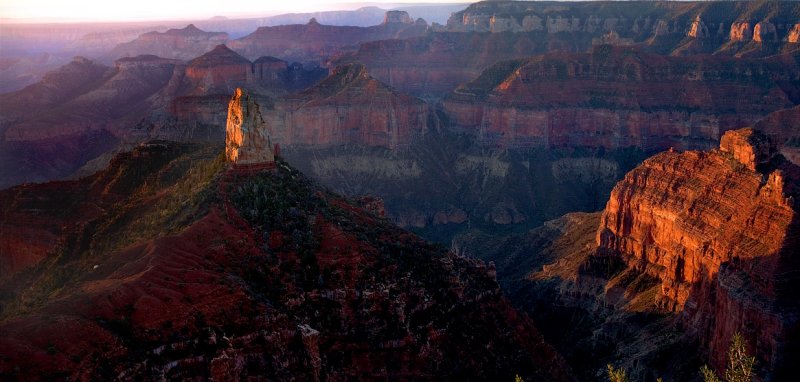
{"x":720,"y":235}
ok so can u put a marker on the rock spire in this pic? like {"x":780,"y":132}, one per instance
{"x":247,"y":140}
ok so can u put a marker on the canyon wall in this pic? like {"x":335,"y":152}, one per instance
{"x":487,"y":32}
{"x":348,"y":107}
{"x":619,"y":97}
{"x":718,"y":23}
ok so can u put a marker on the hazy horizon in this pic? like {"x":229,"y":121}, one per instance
{"x":90,"y":11}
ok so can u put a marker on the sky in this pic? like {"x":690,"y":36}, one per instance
{"x":121,"y":10}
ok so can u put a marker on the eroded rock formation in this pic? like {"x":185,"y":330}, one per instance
{"x":741,"y":31}
{"x":698,"y":29}
{"x":794,"y":34}
{"x":246,"y":135}
{"x":750,"y":147}
{"x":719,"y":229}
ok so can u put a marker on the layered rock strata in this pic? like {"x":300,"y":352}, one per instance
{"x":637,"y":20}
{"x":619,"y":97}
{"x":720,"y":231}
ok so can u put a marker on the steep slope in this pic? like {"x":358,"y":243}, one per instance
{"x":75,"y":104}
{"x":620,"y":97}
{"x":56,"y":87}
{"x":315,"y":42}
{"x":181,"y":44}
{"x":187,"y":270}
{"x":348,"y":107}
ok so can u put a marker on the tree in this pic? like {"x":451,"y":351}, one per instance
{"x":616,"y":375}
{"x":740,"y":364}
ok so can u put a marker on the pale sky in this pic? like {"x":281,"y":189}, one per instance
{"x":117,"y":10}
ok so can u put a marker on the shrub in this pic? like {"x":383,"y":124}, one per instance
{"x":740,"y":364}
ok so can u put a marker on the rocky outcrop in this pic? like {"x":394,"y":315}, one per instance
{"x":183,"y":44}
{"x":719,"y":230}
{"x":794,"y":34}
{"x":246,"y":136}
{"x":741,"y":31}
{"x":750,"y":147}
{"x":618,"y":97}
{"x":698,"y":29}
{"x":348,"y":107}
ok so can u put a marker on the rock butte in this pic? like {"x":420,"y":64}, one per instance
{"x":246,"y":137}
{"x":719,"y":229}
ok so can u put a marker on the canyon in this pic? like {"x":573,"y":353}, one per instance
{"x":624,"y":170}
